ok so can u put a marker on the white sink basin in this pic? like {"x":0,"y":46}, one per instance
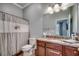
{"x":71,"y":41}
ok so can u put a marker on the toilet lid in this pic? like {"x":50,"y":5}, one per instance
{"x":26,"y":47}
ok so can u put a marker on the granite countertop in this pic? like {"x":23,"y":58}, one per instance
{"x":59,"y":41}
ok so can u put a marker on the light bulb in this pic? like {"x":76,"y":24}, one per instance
{"x":56,"y":8}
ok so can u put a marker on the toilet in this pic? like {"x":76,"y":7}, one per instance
{"x":29,"y":49}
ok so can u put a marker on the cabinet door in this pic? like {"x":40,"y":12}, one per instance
{"x":70,"y":51}
{"x":51,"y":52}
{"x":41,"y":51}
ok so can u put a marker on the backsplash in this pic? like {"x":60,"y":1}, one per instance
{"x":58,"y":37}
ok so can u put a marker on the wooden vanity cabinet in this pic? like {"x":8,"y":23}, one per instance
{"x":54,"y":49}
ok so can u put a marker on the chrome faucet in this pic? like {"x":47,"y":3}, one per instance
{"x":74,"y":36}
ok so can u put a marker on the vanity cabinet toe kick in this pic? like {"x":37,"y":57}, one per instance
{"x":53,"y":49}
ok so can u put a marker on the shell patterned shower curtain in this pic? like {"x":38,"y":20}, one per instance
{"x":13,"y":34}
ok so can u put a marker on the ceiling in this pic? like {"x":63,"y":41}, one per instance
{"x":22,"y":5}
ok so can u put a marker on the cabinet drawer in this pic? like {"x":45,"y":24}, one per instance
{"x":51,"y":52}
{"x":70,"y":51}
{"x":40,"y":43}
{"x":54,"y":46}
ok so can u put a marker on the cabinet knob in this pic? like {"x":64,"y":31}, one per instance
{"x":75,"y":51}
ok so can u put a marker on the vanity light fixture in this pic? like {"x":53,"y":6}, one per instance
{"x":56,"y":8}
{"x":52,"y":8}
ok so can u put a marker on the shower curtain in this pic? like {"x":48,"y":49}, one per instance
{"x":13,"y":34}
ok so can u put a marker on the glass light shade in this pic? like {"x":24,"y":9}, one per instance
{"x":56,"y":8}
{"x":49,"y":10}
{"x":64,"y":6}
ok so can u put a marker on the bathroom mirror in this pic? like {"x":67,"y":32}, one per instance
{"x":61,"y":23}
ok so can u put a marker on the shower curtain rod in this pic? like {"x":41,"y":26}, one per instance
{"x":14,"y":15}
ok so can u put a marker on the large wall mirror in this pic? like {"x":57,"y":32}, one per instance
{"x":61,"y":23}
